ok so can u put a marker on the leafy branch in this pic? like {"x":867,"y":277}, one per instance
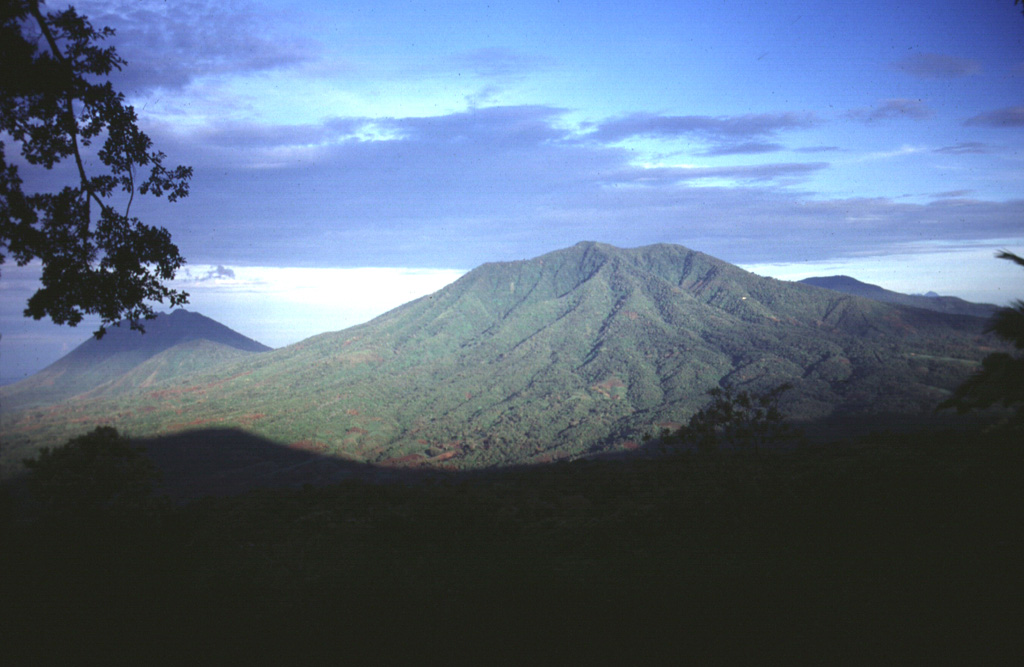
{"x":54,"y":103}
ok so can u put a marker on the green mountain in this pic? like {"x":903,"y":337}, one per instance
{"x":580,"y":351}
{"x":931,"y":301}
{"x":174,"y":344}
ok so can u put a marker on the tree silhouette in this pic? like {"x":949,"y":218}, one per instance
{"x":1001,"y":378}
{"x":736,"y":420}
{"x":96,"y":474}
{"x":55,"y":102}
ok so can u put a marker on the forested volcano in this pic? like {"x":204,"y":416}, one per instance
{"x":578,"y":351}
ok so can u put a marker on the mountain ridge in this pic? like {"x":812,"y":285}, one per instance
{"x":930,"y":301}
{"x":575,"y":352}
{"x":100,"y":366}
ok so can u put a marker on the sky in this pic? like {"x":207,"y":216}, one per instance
{"x":352,"y":156}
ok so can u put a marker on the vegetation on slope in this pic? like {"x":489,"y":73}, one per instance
{"x":567,"y":355}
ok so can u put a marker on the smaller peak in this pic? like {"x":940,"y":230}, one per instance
{"x":836,"y":281}
{"x":596,"y":244}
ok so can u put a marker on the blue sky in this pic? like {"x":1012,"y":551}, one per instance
{"x":421,"y":139}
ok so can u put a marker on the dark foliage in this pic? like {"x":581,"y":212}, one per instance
{"x":1001,"y":378}
{"x":736,"y":420}
{"x":55,"y":103}
{"x":94,"y":475}
{"x":897,"y":549}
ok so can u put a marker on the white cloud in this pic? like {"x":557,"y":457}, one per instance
{"x":283,"y":305}
{"x":277,"y":306}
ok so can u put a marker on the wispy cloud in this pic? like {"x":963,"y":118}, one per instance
{"x":965,"y":148}
{"x":902,"y":151}
{"x":1005,"y":117}
{"x":170,"y":45}
{"x":761,"y":173}
{"x":892,"y":109}
{"x":513,"y":182}
{"x":716,"y":127}
{"x":495,"y":62}
{"x":288,"y":304}
{"x":220,"y":271}
{"x":937,"y":66}
{"x":818,"y":149}
{"x":745,"y":148}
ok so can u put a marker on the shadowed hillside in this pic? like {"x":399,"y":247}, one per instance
{"x":576,"y":352}
{"x":900,"y":550}
{"x":174,"y":344}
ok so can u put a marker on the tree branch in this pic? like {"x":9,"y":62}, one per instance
{"x":69,"y":110}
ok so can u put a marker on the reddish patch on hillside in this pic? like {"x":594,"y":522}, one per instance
{"x":629,"y":445}
{"x":631,"y":314}
{"x":607,"y":387}
{"x":898,"y":322}
{"x":251,"y":417}
{"x":351,"y":412}
{"x":194,"y":422}
{"x":89,"y":420}
{"x":410,"y":460}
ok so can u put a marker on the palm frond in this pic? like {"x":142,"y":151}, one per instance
{"x":1006,"y":254}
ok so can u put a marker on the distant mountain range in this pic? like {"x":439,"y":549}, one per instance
{"x":577,"y":352}
{"x":173,"y":344}
{"x":930,"y":301}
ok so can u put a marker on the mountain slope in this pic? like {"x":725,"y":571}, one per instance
{"x":943,"y":304}
{"x":580,"y":350}
{"x":173,"y":344}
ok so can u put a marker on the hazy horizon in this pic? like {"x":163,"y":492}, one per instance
{"x":294,"y":309}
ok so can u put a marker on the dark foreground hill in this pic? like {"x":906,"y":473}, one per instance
{"x":903,"y":551}
{"x":174,"y":344}
{"x":944,"y":304}
{"x":577,"y":352}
